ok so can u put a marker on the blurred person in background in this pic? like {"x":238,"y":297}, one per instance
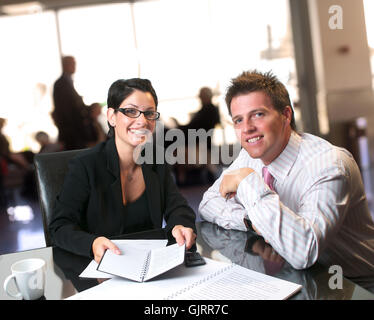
{"x":70,"y":114}
{"x":7,"y":155}
{"x":96,"y":132}
{"x":206,"y":118}
{"x":16,"y":165}
{"x":45,"y":144}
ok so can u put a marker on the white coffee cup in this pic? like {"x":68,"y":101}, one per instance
{"x":29,"y":276}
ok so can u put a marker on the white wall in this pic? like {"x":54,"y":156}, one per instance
{"x":342,"y":62}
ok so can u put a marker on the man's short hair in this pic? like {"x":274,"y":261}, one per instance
{"x":252,"y":81}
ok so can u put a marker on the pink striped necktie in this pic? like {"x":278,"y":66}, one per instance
{"x":268,"y":178}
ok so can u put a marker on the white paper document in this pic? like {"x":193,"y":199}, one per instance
{"x":213,"y":281}
{"x":91,"y":270}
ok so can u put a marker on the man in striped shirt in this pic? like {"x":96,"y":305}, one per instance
{"x":313,"y":206}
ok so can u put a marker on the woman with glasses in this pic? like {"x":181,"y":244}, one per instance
{"x":107,"y":194}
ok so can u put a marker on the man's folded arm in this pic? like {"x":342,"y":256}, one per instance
{"x":296,"y":236}
{"x":227,"y":214}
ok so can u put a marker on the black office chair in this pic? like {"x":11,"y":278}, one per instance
{"x":51,"y":169}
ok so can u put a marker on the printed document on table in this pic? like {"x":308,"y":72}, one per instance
{"x":91,"y":270}
{"x":161,"y":287}
{"x":214,"y":281}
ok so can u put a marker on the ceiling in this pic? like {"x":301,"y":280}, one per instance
{"x":52,"y":4}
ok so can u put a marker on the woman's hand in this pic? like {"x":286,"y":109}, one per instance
{"x":184,"y":235}
{"x":101,"y":244}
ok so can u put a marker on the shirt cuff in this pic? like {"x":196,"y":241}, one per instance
{"x":251,"y":189}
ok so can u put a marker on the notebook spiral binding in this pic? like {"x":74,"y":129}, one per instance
{"x":197,"y":283}
{"x":145,"y":267}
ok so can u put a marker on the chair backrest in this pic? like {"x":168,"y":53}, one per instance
{"x":51,"y":169}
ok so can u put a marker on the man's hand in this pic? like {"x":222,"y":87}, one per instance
{"x":184,"y":235}
{"x":99,"y":246}
{"x":231,"y":181}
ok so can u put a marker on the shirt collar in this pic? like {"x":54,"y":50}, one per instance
{"x":282,"y":165}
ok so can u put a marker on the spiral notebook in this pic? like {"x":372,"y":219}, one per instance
{"x":233,"y":282}
{"x":142,"y":265}
{"x":142,"y":244}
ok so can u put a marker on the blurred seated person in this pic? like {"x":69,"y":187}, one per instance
{"x":107,"y":194}
{"x":45,"y":144}
{"x":16,"y":164}
{"x":17,"y":158}
{"x":206,"y":118}
{"x":96,"y":132}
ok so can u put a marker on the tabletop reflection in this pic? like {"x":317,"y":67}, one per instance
{"x":250,"y":250}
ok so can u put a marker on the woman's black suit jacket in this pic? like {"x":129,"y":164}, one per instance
{"x":90,"y":202}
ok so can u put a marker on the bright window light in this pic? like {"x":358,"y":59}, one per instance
{"x":20,"y":213}
{"x":29,"y":63}
{"x":101,"y":38}
{"x":186,"y":44}
{"x":180,"y":45}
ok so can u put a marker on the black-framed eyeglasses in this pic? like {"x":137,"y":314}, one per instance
{"x":135,"y":113}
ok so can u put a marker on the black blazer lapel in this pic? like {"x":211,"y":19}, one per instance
{"x":114,"y":177}
{"x":154,"y":193}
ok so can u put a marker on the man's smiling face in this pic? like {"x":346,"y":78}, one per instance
{"x":262,"y":130}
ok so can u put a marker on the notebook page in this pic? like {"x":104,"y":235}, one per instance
{"x":129,"y":264}
{"x":164,"y":259}
{"x":91,"y":270}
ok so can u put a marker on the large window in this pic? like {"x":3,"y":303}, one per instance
{"x":180,"y":45}
{"x":29,"y":63}
{"x":101,"y":38}
{"x":188,"y":44}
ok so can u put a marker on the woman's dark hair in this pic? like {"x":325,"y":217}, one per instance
{"x":122,"y":88}
{"x":251,"y":81}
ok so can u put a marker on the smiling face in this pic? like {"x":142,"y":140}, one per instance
{"x":131,"y":132}
{"x":262,"y":130}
